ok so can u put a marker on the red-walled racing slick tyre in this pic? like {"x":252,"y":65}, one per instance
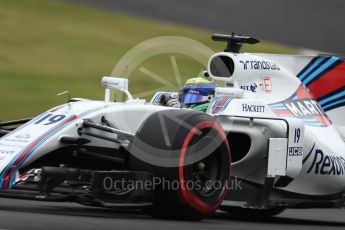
{"x":192,"y":150}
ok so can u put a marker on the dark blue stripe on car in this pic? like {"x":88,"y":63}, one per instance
{"x":310,"y":67}
{"x":330,"y":63}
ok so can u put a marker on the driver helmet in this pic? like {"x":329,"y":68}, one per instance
{"x":197,"y":90}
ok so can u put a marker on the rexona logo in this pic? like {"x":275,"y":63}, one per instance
{"x":253,"y":108}
{"x":327,"y":165}
{"x":303,"y":107}
{"x":259,"y":65}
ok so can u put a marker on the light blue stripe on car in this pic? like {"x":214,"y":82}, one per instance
{"x":320,"y":70}
{"x":312,"y":67}
{"x":224,"y":106}
{"x":324,"y":101}
{"x":334,"y":103}
{"x":216,"y":104}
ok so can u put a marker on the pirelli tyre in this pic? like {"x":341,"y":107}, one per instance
{"x":188,"y":153}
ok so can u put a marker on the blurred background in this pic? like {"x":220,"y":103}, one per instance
{"x":50,"y":46}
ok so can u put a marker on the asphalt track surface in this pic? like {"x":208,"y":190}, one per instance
{"x":313,"y":24}
{"x":19,"y":214}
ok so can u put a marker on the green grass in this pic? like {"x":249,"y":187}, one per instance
{"x":47,"y":47}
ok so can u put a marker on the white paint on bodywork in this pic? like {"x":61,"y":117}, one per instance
{"x":125,"y":116}
{"x":245,"y":75}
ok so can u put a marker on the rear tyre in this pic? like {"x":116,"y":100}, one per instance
{"x":190,"y":155}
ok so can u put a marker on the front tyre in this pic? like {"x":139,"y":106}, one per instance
{"x":189,"y":152}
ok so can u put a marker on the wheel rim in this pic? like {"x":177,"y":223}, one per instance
{"x":208,"y":199}
{"x":204,"y":173}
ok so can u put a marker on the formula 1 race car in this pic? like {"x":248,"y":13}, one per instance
{"x":277,"y":125}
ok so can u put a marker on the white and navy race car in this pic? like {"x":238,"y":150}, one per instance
{"x":272,"y":138}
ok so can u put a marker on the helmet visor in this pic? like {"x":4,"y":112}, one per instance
{"x":191,"y":98}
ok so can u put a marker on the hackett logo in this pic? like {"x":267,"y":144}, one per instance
{"x":253,"y":108}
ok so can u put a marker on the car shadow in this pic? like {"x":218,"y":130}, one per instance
{"x":277,"y":220}
{"x":97,"y":212}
